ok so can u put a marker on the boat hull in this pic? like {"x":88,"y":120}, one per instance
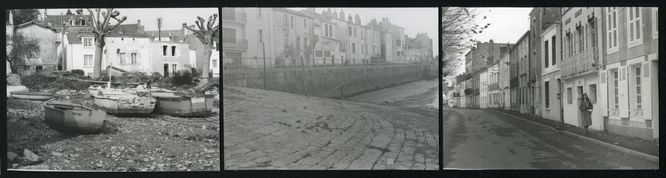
{"x":73,"y":119}
{"x":184,"y":106}
{"x":119,"y":105}
{"x":26,"y":95}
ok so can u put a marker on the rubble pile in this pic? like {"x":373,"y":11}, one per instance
{"x":155,"y":143}
{"x":152,"y":142}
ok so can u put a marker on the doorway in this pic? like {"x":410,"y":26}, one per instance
{"x":579,"y":99}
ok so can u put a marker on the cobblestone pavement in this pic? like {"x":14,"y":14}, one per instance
{"x":482,"y":139}
{"x":275,"y":130}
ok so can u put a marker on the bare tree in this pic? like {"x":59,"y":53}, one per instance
{"x":21,"y":48}
{"x":101,"y":26}
{"x":458,"y":26}
{"x":206,"y":32}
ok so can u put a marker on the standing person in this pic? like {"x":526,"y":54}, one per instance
{"x":585,"y":107}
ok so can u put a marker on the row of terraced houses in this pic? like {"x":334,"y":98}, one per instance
{"x":608,"y":53}
{"x":281,"y":37}
{"x":66,"y":42}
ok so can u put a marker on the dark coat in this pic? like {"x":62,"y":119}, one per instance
{"x":586,"y":112}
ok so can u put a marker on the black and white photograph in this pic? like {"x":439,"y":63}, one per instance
{"x":330,"y":88}
{"x":121,"y":90}
{"x":550,"y":88}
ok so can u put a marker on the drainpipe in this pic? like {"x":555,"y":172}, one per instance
{"x":561,"y":84}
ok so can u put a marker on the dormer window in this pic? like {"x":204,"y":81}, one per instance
{"x":87,"y":42}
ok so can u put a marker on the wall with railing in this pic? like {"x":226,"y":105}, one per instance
{"x":326,"y":81}
{"x":578,"y":64}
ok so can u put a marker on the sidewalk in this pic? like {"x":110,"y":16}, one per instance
{"x":631,"y":145}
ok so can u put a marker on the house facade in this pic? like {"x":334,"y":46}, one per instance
{"x":284,"y":38}
{"x":129,"y":52}
{"x":168,"y":57}
{"x":580,"y":64}
{"x":524,"y":91}
{"x":47,"y":58}
{"x":495,"y":98}
{"x":551,"y":84}
{"x":540,"y":19}
{"x":483,"y":88}
{"x":79,"y":52}
{"x":504,"y":76}
{"x":630,"y":54}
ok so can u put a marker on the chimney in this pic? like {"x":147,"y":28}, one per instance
{"x":140,"y":26}
{"x":184,"y":29}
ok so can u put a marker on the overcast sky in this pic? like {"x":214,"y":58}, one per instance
{"x":507,"y":25}
{"x":173,"y":18}
{"x":414,"y":20}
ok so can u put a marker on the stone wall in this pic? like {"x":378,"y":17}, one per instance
{"x":332,"y":82}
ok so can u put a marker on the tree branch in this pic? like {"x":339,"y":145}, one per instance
{"x":91,"y":17}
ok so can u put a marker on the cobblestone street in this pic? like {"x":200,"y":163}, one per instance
{"x":275,"y":130}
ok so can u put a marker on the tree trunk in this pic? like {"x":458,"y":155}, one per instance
{"x":97,"y":70}
{"x":12,"y":66}
{"x":206,"y":65}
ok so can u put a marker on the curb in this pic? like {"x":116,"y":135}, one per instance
{"x":593,"y":140}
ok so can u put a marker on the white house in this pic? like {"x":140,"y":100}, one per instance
{"x":79,"y":52}
{"x":483,"y":88}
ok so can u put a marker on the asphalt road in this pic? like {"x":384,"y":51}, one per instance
{"x":486,"y":139}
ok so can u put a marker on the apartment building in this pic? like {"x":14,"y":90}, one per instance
{"x":580,"y":63}
{"x":551,"y":58}
{"x":630,"y":47}
{"x":540,"y":19}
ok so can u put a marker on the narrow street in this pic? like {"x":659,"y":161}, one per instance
{"x":486,"y":139}
{"x":276,"y":130}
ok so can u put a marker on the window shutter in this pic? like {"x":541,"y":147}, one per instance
{"x":623,"y":74}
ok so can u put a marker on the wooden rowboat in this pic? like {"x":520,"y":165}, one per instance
{"x":28,"y":95}
{"x":123,"y":103}
{"x":73,"y":118}
{"x":182,"y":106}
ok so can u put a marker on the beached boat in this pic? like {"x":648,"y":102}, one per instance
{"x":28,"y":95}
{"x":11,"y":89}
{"x":183,"y":106}
{"x":73,"y":118}
{"x":119,"y":103}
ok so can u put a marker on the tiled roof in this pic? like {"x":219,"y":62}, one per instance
{"x":34,"y":22}
{"x":75,"y":37}
{"x":58,"y":20}
{"x":133,"y":35}
{"x":127,"y":28}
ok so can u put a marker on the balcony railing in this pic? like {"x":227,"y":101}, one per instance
{"x":579,"y":63}
{"x":238,"y":44}
{"x":234,"y":16}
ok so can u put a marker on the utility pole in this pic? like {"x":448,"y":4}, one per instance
{"x":263,"y":49}
{"x":305,"y":89}
{"x":159,"y":29}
